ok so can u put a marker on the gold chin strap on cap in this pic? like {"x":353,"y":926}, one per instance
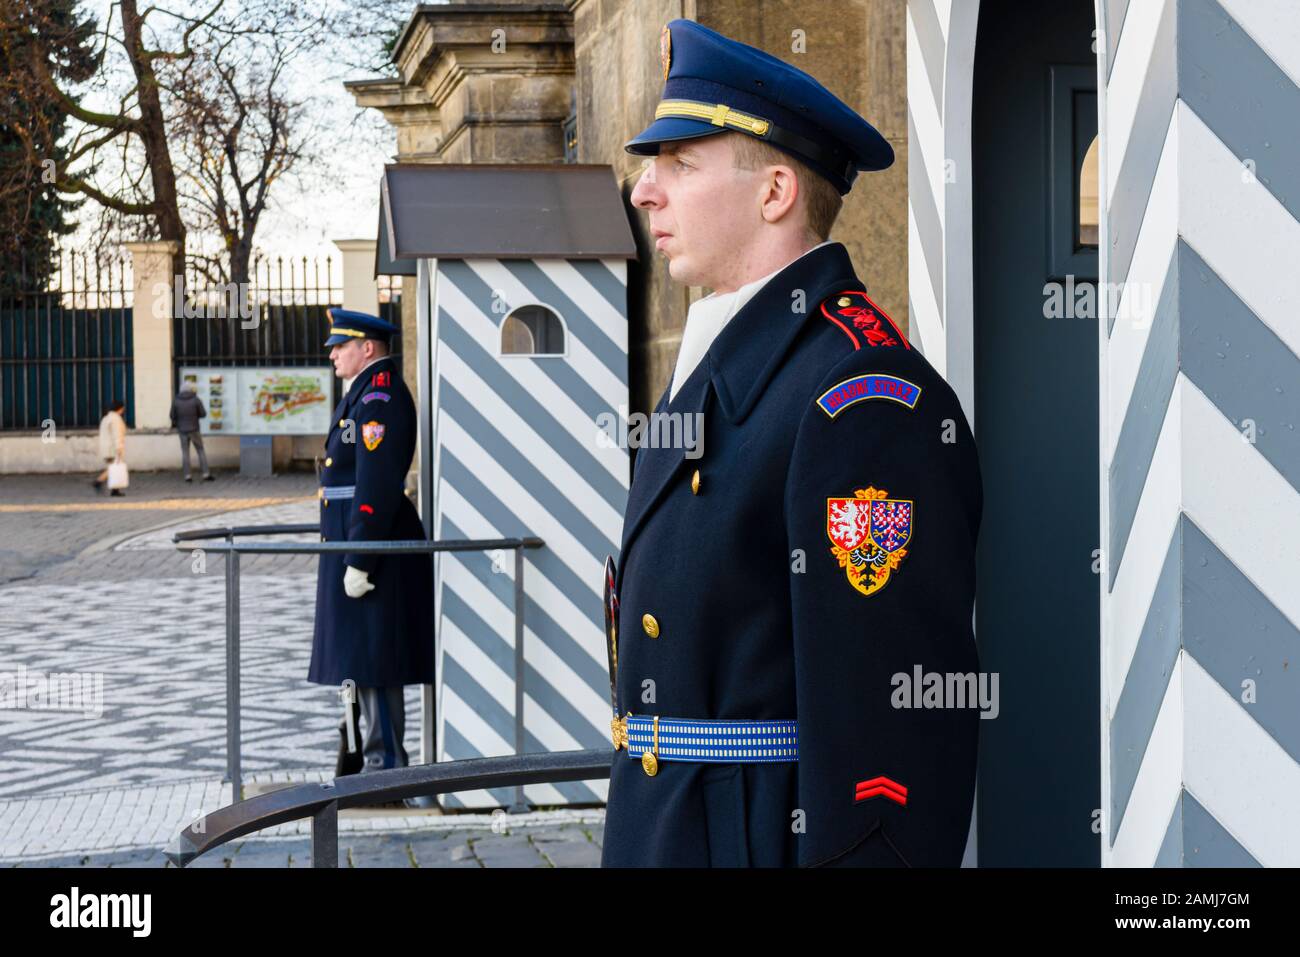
{"x":335,"y":331}
{"x":719,"y":114}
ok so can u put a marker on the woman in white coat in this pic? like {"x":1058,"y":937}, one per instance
{"x":112,"y":441}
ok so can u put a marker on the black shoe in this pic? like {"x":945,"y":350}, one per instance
{"x":188,"y":479}
{"x":98,"y":484}
{"x":208,"y":478}
{"x":117,"y":491}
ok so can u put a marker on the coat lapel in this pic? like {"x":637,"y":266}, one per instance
{"x":359,"y":386}
{"x":656,"y":467}
{"x":737,"y":368}
{"x":752,"y":347}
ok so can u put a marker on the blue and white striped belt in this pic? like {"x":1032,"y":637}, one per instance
{"x":653,"y":739}
{"x":332,"y":492}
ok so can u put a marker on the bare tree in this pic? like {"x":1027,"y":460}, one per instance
{"x":372,"y":28}
{"x":239,"y":128}
{"x":139,"y":121}
{"x":203,"y":129}
{"x":200,"y":123}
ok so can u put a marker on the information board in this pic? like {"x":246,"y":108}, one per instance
{"x":262,"y":401}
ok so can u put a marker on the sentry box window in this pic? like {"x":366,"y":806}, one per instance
{"x":533,"y":330}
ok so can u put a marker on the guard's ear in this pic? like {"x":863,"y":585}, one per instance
{"x":781,"y":193}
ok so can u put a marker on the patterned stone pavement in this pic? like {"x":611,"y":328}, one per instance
{"x":550,"y":843}
{"x":155,"y":709}
{"x":114,"y":758}
{"x":57,"y":528}
{"x":130,"y":827}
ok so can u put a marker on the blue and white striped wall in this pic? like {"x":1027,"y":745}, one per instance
{"x":941,"y":323}
{"x":1200,"y":433}
{"x":940,"y":68}
{"x":1199,"y":402}
{"x":515,"y":451}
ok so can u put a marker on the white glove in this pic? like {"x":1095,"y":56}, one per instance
{"x":356,"y":582}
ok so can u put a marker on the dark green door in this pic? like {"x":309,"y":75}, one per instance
{"x":1035,"y":259}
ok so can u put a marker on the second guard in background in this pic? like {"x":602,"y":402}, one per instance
{"x":374,"y":613}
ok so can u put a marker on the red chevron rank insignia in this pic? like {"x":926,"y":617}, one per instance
{"x":880,"y":787}
{"x":380,"y":380}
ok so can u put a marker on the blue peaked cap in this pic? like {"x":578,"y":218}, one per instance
{"x":713,"y":83}
{"x":346,"y":325}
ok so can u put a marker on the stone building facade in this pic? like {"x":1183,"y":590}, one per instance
{"x":538,"y":81}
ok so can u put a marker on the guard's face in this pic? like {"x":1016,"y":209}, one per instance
{"x":703,"y":211}
{"x":348,"y":358}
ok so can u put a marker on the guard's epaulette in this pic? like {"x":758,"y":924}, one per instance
{"x":862,"y":320}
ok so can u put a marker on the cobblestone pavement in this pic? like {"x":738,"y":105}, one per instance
{"x":131,"y":827}
{"x":552,"y":842}
{"x":145,"y":702}
{"x":58,"y":528}
{"x":93,"y":587}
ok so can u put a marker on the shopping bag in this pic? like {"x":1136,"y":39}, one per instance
{"x":117,"y":475}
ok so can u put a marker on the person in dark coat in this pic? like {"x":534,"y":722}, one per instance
{"x":374,"y":614}
{"x":788,"y":586}
{"x":187,"y":409}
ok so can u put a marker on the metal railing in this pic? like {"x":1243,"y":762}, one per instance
{"x":232,"y":550}
{"x":322,"y":802}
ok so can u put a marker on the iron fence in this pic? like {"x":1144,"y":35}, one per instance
{"x":277,"y":319}
{"x":65,"y":350}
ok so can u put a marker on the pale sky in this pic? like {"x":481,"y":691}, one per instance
{"x":337,"y":196}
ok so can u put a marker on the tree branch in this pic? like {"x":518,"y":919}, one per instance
{"x":111,"y":202}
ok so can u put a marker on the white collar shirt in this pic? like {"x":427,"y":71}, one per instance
{"x":709,"y":316}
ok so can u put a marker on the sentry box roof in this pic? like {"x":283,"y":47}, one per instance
{"x":499,"y":211}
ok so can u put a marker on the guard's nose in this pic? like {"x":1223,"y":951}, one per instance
{"x":647,"y":194}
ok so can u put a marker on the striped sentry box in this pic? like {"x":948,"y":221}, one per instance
{"x":1200,"y":461}
{"x":517,"y":452}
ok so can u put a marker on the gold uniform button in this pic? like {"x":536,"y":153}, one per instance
{"x":329,"y":462}
{"x":325,"y":502}
{"x":649,"y":759}
{"x":842,"y":301}
{"x":341,"y":421}
{"x":650,"y":625}
{"x":695,"y":483}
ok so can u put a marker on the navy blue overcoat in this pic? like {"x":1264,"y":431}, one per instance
{"x":386,"y":636}
{"x":820,"y":546}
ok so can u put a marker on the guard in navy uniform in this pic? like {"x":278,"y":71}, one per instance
{"x":793,"y":598}
{"x":374,"y":614}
